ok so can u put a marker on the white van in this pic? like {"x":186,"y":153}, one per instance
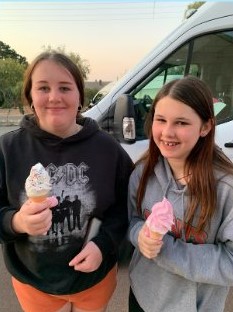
{"x":201,"y":46}
{"x":101,"y":94}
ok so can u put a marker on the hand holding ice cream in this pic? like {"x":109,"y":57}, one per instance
{"x":35,"y":217}
{"x":160,"y":220}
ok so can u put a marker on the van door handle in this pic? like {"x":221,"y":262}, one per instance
{"x":228,"y":144}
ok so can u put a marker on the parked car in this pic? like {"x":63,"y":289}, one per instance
{"x":201,"y":46}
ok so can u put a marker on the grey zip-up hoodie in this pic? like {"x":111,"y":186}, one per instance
{"x":193,"y":271}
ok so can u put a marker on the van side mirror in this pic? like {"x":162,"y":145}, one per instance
{"x":124,"y":119}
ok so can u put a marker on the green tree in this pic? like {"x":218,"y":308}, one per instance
{"x":12,"y":67}
{"x":7,"y":52}
{"x":192,"y":7}
{"x":195,"y":5}
{"x":82,"y":63}
{"x":11,"y":79}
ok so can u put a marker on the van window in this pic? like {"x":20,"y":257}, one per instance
{"x":208,"y":57}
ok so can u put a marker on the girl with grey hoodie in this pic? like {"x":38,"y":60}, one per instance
{"x":191,"y":268}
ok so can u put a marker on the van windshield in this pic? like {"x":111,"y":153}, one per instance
{"x":101,"y":93}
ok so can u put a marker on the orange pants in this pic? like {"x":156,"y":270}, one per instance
{"x":93,"y":298}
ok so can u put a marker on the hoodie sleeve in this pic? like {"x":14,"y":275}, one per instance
{"x":7,"y":234}
{"x":136,"y":222}
{"x":115,"y":221}
{"x":209,"y":263}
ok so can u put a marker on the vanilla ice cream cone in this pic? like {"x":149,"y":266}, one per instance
{"x":37,"y":185}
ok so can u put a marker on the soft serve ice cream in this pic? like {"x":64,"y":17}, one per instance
{"x":160,"y":220}
{"x":38,"y":184}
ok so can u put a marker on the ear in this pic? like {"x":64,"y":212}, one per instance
{"x":206,"y":127}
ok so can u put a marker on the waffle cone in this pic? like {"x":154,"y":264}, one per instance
{"x":155,"y":235}
{"x":38,"y":199}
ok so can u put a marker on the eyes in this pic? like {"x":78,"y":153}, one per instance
{"x":160,"y":120}
{"x":46,"y":89}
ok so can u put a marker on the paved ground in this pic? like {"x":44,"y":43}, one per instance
{"x":10,"y":117}
{"x":4,"y":129}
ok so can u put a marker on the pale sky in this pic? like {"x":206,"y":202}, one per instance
{"x":111,"y":35}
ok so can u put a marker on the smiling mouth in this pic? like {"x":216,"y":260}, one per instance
{"x":170,"y":143}
{"x":55,"y":108}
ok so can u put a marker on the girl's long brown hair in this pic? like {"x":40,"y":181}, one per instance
{"x":203,"y":159}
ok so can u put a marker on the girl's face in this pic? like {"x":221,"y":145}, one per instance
{"x":55,"y":98}
{"x":176,"y":129}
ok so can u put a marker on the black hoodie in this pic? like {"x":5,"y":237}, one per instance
{"x":89,"y":173}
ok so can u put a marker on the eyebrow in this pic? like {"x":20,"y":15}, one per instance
{"x":177,"y":118}
{"x":60,"y":82}
{"x":66,"y":82}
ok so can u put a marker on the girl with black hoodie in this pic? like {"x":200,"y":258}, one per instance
{"x":55,"y":271}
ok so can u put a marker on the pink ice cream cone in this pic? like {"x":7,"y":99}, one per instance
{"x":160,"y":220}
